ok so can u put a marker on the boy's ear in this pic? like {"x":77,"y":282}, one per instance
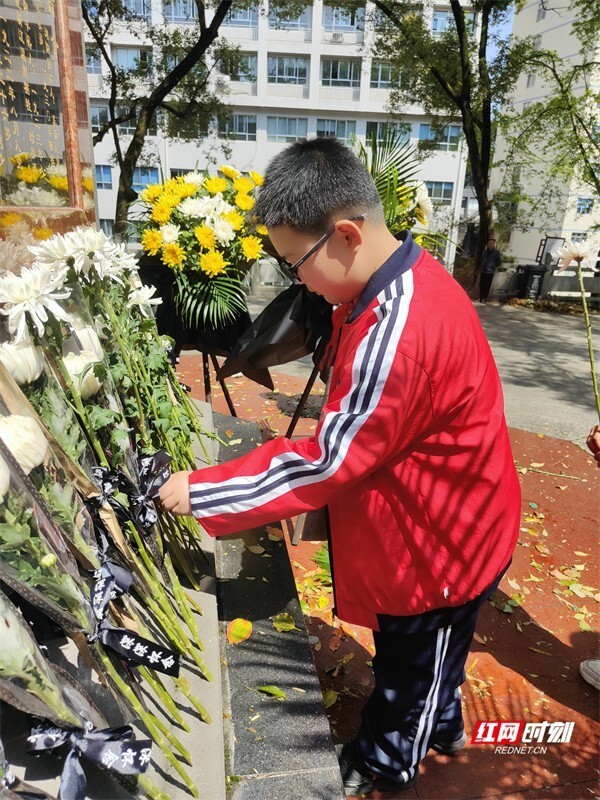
{"x":350,"y":231}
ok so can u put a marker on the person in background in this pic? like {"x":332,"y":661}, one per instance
{"x":411,"y":456}
{"x":590,"y":668}
{"x":490,"y":261}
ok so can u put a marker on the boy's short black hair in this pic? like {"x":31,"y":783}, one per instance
{"x":313,"y":183}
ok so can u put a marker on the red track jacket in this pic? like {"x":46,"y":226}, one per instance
{"x":411,"y":455}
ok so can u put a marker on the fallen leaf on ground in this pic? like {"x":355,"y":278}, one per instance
{"x":543,"y":652}
{"x":239,"y":630}
{"x":330,"y":697}
{"x":255,"y":548}
{"x":273,"y":691}
{"x":479,"y":638}
{"x":284,"y":622}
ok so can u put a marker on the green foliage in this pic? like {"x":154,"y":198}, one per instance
{"x":210,"y":303}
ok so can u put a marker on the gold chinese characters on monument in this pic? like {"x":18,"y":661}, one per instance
{"x":46,"y":161}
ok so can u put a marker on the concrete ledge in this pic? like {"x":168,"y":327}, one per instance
{"x":277,"y":750}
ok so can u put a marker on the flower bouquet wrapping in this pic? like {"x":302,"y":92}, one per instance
{"x":200,"y":226}
{"x":34,"y":560}
{"x":30,"y":447}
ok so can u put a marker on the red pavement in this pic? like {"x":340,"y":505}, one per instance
{"x":524,"y":664}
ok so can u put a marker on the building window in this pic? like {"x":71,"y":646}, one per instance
{"x":98,"y":117}
{"x":302,"y":22}
{"x":177,"y":172}
{"x":131,"y":57}
{"x":180,"y":11}
{"x":240,"y":68}
{"x":137,"y":8}
{"x":107,"y":226}
{"x":240,"y":126}
{"x":440,"y":192}
{"x":577,"y":238}
{"x":30,"y":102}
{"x":25,"y":40}
{"x":286,"y":129}
{"x":337,"y":72}
{"x":541,"y":12}
{"x":530,"y":80}
{"x":537,"y":42}
{"x":441,"y":22}
{"x":585,"y":205}
{"x":380,"y":129}
{"x":93,"y":62}
{"x":288,"y":69}
{"x":448,"y":140}
{"x":103,"y":176}
{"x":242,"y":17}
{"x":340,"y":128}
{"x":381,"y":75}
{"x":343,"y":20}
{"x":142,"y":176}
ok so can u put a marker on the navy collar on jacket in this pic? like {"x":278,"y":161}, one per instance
{"x":400,"y":261}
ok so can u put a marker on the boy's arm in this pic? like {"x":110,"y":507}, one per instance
{"x":382,"y":404}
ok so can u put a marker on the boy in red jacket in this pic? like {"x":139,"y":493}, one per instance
{"x":411,"y":457}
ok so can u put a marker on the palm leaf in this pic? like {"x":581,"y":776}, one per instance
{"x":210,"y":303}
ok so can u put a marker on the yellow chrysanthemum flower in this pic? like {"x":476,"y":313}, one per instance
{"x":251,"y":247}
{"x":152,"y":241}
{"x":88,"y":185}
{"x":42,"y":233}
{"x":161,"y":213}
{"x":256,"y":177}
{"x":213,"y":263}
{"x":230,"y":172}
{"x":151,"y":193}
{"x":243,"y":185}
{"x":186,"y":190}
{"x":172,"y":185}
{"x":170,"y":199}
{"x":204,"y":235}
{"x":9,"y":219}
{"x":262,"y":230}
{"x":173,"y":255}
{"x":20,"y":159}
{"x":244,"y":201}
{"x":58,"y":182}
{"x":235,"y":219}
{"x":28,"y":174}
{"x":214,"y":185}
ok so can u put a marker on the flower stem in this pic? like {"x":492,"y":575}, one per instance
{"x":588,"y":331}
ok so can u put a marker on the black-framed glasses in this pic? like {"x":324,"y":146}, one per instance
{"x":291,"y":270}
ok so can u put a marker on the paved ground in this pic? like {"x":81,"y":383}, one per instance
{"x":525,"y":659}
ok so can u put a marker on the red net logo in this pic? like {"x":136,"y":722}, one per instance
{"x":496,"y":732}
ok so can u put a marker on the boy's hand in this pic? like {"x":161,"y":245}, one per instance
{"x":175,"y":494}
{"x":593,"y":442}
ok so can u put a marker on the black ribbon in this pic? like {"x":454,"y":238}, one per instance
{"x":115,"y":749}
{"x":112,"y":581}
{"x":154,"y":472}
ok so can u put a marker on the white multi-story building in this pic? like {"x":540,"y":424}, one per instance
{"x":312,"y":76}
{"x":574,"y":210}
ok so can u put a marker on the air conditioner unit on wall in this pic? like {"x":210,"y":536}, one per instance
{"x":337,"y":37}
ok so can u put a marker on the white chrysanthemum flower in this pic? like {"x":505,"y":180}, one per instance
{"x":218,"y":207}
{"x":585,"y":253}
{"x":34,"y":196}
{"x":193,"y":207}
{"x":143,"y":297}
{"x":86,"y":243}
{"x":86,"y":336}
{"x":57,"y":170}
{"x":57,"y":253}
{"x":4,"y":478}
{"x":34,"y":292}
{"x":223,"y":230}
{"x":23,"y":360}
{"x":423,"y":200}
{"x":194,"y":177}
{"x":84,"y":380}
{"x":170,"y":233}
{"x":87,"y":174}
{"x":14,"y":254}
{"x":25,"y":440}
